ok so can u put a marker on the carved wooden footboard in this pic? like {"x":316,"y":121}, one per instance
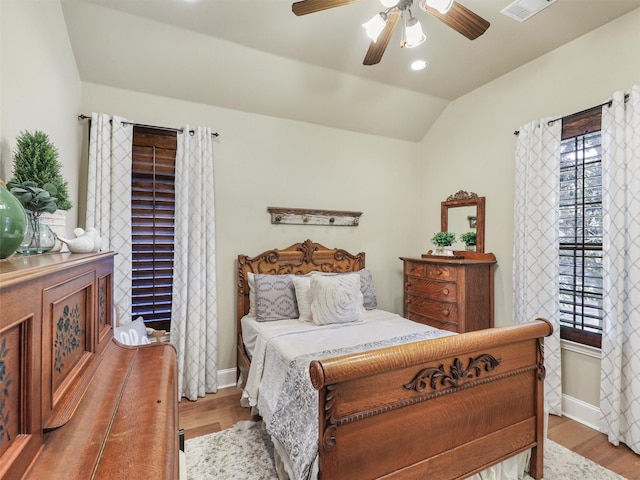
{"x":439,"y":409}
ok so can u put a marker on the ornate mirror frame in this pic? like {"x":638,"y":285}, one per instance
{"x":465,"y":199}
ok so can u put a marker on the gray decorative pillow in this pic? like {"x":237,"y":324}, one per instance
{"x":275,"y":297}
{"x":368,"y":290}
{"x":252,"y":293}
{"x":133,"y":333}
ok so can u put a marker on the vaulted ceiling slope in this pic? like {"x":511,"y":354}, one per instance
{"x":257,"y":56}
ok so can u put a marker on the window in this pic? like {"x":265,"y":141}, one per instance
{"x":581,"y":229}
{"x":152,"y":224}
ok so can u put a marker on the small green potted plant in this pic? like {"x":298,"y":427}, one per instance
{"x":35,"y":159}
{"x":38,"y":238}
{"x":443,"y":242}
{"x":469,"y":239}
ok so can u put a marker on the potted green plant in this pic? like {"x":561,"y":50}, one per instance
{"x":443,"y":242}
{"x":38,"y":238}
{"x":469,"y":239}
{"x":35,"y":159}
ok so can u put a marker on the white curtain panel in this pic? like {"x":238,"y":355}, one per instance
{"x":109,"y":197}
{"x":620,"y":375}
{"x":536,"y":241}
{"x":194,"y":319}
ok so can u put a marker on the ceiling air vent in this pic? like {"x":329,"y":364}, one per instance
{"x":522,"y":10}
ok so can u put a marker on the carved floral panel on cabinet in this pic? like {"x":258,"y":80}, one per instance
{"x":10,"y":383}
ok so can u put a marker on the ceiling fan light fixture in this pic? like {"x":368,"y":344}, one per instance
{"x":413,"y":34}
{"x":443,"y":6}
{"x":375,"y":26}
{"x":389,"y":3}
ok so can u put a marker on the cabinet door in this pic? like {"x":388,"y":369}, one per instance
{"x":68,"y":340}
{"x":20,"y":433}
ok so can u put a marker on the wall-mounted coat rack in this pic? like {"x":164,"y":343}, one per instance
{"x":305,"y":216}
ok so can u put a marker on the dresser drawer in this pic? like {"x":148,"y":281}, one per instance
{"x":445,"y":312}
{"x":416,"y":269}
{"x":432,"y":322}
{"x":441,"y":272}
{"x":444,"y":291}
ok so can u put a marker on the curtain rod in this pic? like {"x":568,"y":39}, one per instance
{"x":553,"y":120}
{"x":155,"y":127}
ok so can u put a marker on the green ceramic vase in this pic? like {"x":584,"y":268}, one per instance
{"x":13,"y":222}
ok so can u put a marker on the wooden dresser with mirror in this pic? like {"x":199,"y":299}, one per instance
{"x":453,"y":292}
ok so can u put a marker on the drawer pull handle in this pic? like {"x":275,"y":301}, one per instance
{"x":446,"y":291}
{"x":445,"y":313}
{"x":439,"y":272}
{"x":408,"y":284}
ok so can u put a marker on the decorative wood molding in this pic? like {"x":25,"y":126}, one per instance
{"x":329,"y":436}
{"x":457,"y":376}
{"x":372,"y":412}
{"x":297,"y":259}
{"x":304,"y":216}
{"x":462,"y":195}
{"x":542,"y":372}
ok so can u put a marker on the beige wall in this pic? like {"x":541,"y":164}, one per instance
{"x":262,"y":161}
{"x":39,"y":85}
{"x":472,"y":145}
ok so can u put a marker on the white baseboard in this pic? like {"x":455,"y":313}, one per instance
{"x":580,"y":411}
{"x":227,"y":378}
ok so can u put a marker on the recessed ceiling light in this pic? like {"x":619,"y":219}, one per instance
{"x":418,"y":65}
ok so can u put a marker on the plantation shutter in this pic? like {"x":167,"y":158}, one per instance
{"x":152,"y":225}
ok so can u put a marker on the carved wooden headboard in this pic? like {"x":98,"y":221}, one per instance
{"x":298,"y":259}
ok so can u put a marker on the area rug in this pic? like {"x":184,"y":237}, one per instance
{"x":246,"y":452}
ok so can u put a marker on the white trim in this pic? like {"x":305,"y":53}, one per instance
{"x":581,"y":348}
{"x":575,"y":408}
{"x":227,"y":378}
{"x":581,"y":411}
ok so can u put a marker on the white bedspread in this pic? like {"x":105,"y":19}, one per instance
{"x":278,"y":383}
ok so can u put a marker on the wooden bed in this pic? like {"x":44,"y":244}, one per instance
{"x":444,"y":408}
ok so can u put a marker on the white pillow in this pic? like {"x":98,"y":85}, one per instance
{"x":302,"y":285}
{"x":336,"y":299}
{"x":134,"y":333}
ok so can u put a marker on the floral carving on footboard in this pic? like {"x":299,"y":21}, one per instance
{"x":69,"y":333}
{"x":457,"y":373}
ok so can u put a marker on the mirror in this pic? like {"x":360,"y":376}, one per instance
{"x":463,"y":212}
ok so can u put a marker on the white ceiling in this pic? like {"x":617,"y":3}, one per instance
{"x":256,"y":55}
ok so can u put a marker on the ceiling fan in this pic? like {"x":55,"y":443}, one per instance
{"x":381,"y":27}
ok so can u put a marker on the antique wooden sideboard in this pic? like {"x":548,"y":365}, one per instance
{"x":74,"y":403}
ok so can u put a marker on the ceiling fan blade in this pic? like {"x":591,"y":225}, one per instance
{"x":311,"y":6}
{"x":377,"y":48}
{"x":462,"y":20}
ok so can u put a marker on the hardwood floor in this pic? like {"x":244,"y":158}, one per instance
{"x":595,"y":446}
{"x":222,"y":410}
{"x":212,"y":413}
